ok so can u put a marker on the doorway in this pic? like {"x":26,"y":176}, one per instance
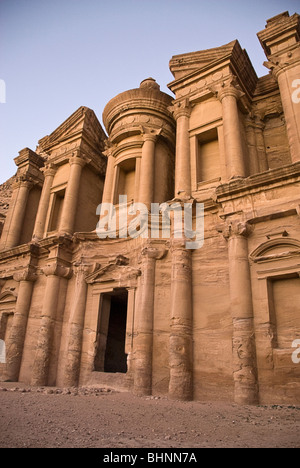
{"x":111,"y":337}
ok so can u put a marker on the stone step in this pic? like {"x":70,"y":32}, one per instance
{"x":116,"y":381}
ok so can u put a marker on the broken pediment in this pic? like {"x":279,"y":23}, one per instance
{"x":276,"y":249}
{"x":185,"y":64}
{"x":188,"y":68}
{"x":81,"y":124}
{"x":117,"y":270}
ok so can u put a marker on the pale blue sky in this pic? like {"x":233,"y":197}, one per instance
{"x":57,"y":55}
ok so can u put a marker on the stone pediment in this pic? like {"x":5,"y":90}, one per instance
{"x":208,"y":66}
{"x":276,"y":249}
{"x":117,"y":270}
{"x":81,"y":124}
{"x":185,"y":64}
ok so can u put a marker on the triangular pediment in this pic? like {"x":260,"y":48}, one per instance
{"x":192,"y":67}
{"x":117,"y":270}
{"x":185,"y":64}
{"x":82,"y":124}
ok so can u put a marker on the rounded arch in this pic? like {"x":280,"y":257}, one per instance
{"x":280,"y":247}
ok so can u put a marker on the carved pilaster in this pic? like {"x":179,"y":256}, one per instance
{"x":76,"y":325}
{"x":147,"y":174}
{"x":244,"y":348}
{"x":12,"y":230}
{"x":181,"y":111}
{"x":55,"y":272}
{"x":229,"y":92}
{"x":16,"y":339}
{"x":143,"y":343}
{"x":181,"y":335}
{"x":40,"y":222}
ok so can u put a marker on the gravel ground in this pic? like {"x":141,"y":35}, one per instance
{"x":101,"y":418}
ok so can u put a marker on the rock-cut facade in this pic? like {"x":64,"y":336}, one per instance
{"x":146,"y":313}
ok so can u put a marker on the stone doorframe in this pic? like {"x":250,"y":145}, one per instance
{"x":108,"y":279}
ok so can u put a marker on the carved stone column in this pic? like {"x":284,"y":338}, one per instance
{"x":229,"y":95}
{"x":244,"y":349}
{"x":260,"y":144}
{"x":109,"y":177}
{"x":181,"y":336}
{"x":15,"y":343}
{"x":13,"y":226}
{"x":39,"y":227}
{"x":182,"y":112}
{"x":71,"y":197}
{"x":143,"y":342}
{"x":72,"y":365}
{"x":54,"y":273}
{"x":252,"y":146}
{"x":146,"y":192}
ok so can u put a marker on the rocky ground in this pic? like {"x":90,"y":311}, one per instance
{"x":102,"y":418}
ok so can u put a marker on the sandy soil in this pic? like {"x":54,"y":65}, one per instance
{"x":38,"y":418}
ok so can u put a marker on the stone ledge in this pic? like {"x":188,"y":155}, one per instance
{"x":258,"y":181}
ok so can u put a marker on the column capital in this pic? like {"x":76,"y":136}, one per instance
{"x":175,"y":245}
{"x":84,"y":269}
{"x":109,"y":148}
{"x":280,"y":63}
{"x":23,"y":181}
{"x":150,"y":134}
{"x":181,"y":109}
{"x":79,"y":160}
{"x":49,"y":170}
{"x":153,"y":252}
{"x":57,"y":269}
{"x":255,"y":121}
{"x":235,"y":229}
{"x":227,"y":88}
{"x":28,"y":274}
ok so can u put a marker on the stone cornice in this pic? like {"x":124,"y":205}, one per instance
{"x":258,"y":182}
{"x":21,"y":250}
{"x":281,"y":28}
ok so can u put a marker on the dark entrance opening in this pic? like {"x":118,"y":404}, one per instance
{"x":111,"y":357}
